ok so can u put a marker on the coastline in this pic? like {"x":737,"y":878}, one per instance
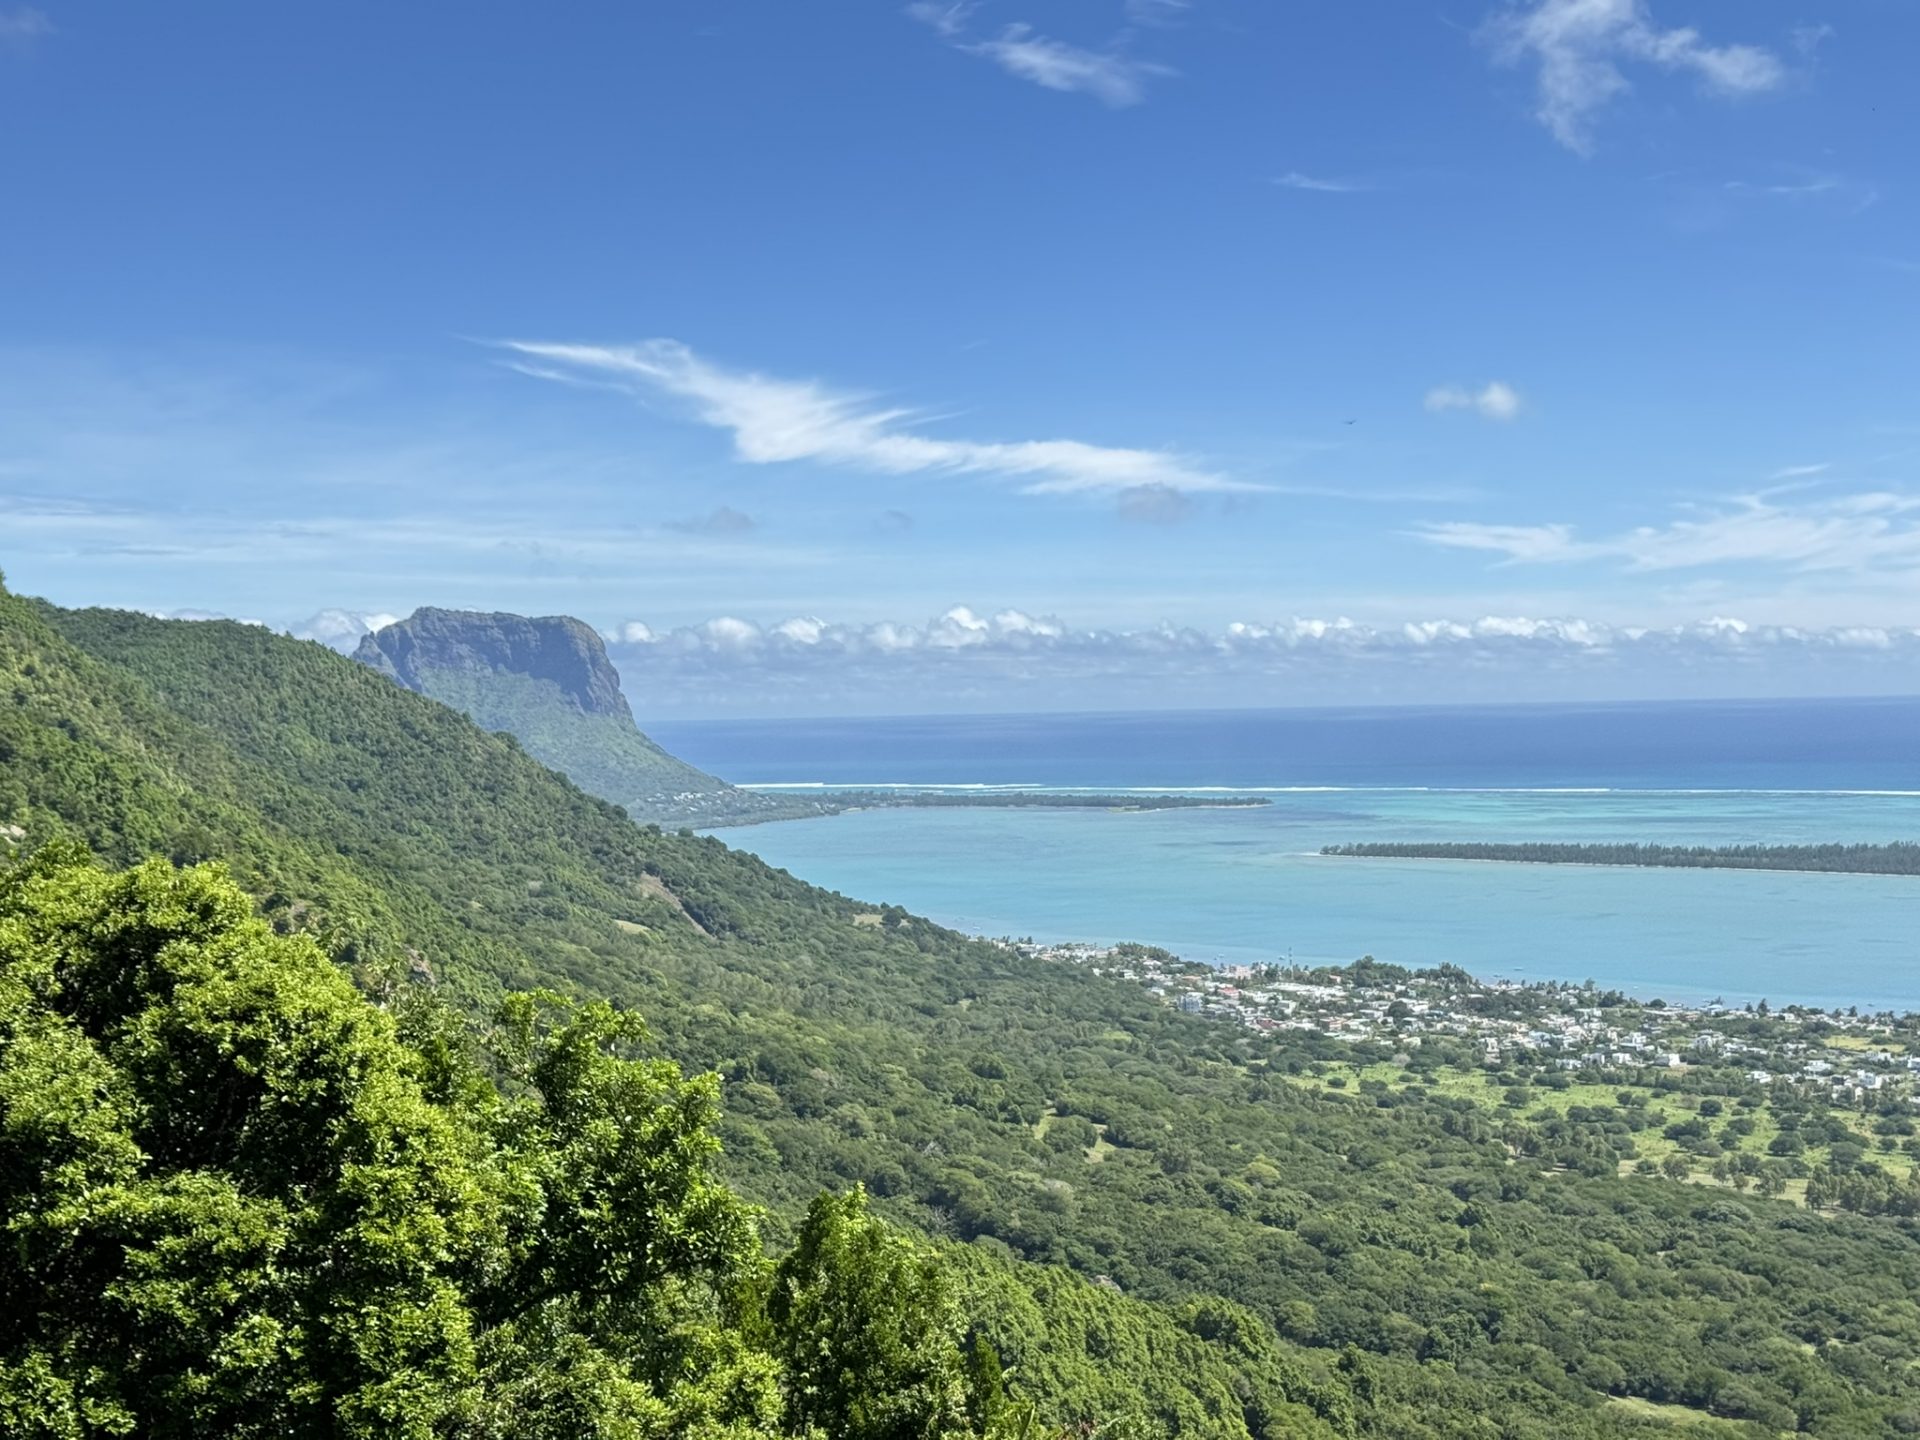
{"x":851,"y":802}
{"x":1615,"y":865}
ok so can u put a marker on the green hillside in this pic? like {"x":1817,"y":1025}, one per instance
{"x":1151,"y":1228}
{"x":549,"y":683}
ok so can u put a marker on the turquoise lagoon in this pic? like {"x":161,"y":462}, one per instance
{"x":1247,"y":885}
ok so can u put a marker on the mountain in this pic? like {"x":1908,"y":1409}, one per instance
{"x":556,"y":650}
{"x":1149,"y":1224}
{"x":549,"y":683}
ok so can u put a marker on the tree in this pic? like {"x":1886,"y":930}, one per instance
{"x":231,"y":1210}
{"x":869,"y":1331}
{"x":239,"y":1202}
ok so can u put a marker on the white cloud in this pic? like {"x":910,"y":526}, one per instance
{"x":1526,"y":544}
{"x":1009,"y":631}
{"x":948,"y":20}
{"x":1015,"y":622}
{"x":1496,"y":400}
{"x":342,"y":629}
{"x":773,"y":420}
{"x":1579,"y":47}
{"x":727,"y":633}
{"x":1864,"y":532}
{"x":801,"y":630}
{"x":1321,"y":184}
{"x":965,"y":658}
{"x":1810,"y":188}
{"x":1111,"y":78}
{"x":1788,"y":190}
{"x":1108,"y":75}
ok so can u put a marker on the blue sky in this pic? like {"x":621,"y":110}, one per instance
{"x":883,"y":356}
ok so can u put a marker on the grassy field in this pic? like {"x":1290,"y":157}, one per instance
{"x":1486,"y":1089}
{"x":1681,"y":1417}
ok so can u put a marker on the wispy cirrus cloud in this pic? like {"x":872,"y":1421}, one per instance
{"x":1788,"y":189}
{"x":1870,"y":531}
{"x":1828,"y":188}
{"x":1321,"y":184}
{"x":1496,"y":400}
{"x":774,"y":420}
{"x":1578,"y":48}
{"x":1110,"y":75}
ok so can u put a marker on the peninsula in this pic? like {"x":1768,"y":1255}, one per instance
{"x":1026,"y":800}
{"x":1899,"y":858}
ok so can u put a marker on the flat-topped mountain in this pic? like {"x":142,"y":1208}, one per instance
{"x":548,"y":682}
{"x":556,"y":648}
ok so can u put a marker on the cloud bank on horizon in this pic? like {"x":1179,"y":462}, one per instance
{"x":1008,"y":659}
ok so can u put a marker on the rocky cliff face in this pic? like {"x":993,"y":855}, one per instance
{"x":548,"y":681}
{"x":554,"y":648}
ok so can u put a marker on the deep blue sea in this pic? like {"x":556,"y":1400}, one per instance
{"x":1248,"y":885}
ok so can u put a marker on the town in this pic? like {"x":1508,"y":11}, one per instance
{"x":1816,"y":1104}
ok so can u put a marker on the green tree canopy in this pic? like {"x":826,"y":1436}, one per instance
{"x":240,"y":1199}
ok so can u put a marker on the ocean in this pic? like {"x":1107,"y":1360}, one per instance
{"x":1247,"y":885}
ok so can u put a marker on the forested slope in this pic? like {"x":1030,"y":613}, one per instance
{"x":1407,"y":1266}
